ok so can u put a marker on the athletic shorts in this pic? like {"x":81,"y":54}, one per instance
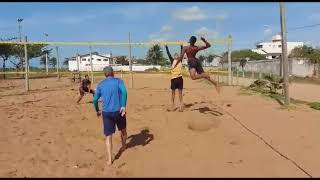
{"x":196,"y":64}
{"x":111,"y":120}
{"x":177,"y":83}
{"x":86,"y":90}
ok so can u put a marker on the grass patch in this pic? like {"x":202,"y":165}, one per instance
{"x":314,"y":105}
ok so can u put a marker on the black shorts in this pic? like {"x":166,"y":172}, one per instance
{"x":86,"y":90}
{"x":196,"y":64}
{"x":177,"y":83}
{"x":110,"y":120}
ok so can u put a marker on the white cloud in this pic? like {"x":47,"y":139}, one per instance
{"x":267,"y":31}
{"x":158,"y":38}
{"x":166,"y":29}
{"x":163,"y":35}
{"x":190,"y":14}
{"x":206,"y":33}
{"x":194,"y":13}
{"x":220,"y":17}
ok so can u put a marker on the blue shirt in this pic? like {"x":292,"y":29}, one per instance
{"x":113,"y":93}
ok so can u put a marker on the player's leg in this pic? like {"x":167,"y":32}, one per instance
{"x":180,"y":87}
{"x":81,"y":96}
{"x":121,"y":123}
{"x":173,"y":94}
{"x":202,"y":74}
{"x":109,"y":148}
{"x":109,"y":129}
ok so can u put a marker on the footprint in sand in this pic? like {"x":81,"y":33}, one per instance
{"x":234,"y":142}
{"x":203,"y":124}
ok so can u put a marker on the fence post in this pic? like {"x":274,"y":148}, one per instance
{"x":26,"y":64}
{"x":260,"y":75}
{"x":237,"y":78}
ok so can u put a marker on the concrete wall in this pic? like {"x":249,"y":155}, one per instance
{"x":296,"y":67}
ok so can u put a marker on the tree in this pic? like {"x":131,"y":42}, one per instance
{"x":122,"y":60}
{"x":155,"y":56}
{"x":202,"y":59}
{"x":242,"y":54}
{"x":6,"y":52}
{"x":242,"y":63}
{"x":52,"y":62}
{"x":307,"y":53}
{"x":210,"y":58}
{"x":43,"y":57}
{"x":34,"y":51}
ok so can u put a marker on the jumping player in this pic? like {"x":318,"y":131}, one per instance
{"x":195,"y":68}
{"x":176,"y":79}
{"x":85,"y":87}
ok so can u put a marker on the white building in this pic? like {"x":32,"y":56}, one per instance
{"x":273,"y":49}
{"x":83,"y":63}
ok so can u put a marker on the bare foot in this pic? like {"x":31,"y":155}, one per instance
{"x":171,"y":109}
{"x":218,"y":88}
{"x":181,"y":109}
{"x":109,"y":162}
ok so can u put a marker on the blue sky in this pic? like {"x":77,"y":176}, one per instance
{"x":248,"y":23}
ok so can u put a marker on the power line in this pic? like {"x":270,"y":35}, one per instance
{"x":302,"y":27}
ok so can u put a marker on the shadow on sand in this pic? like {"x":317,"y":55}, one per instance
{"x":141,"y":139}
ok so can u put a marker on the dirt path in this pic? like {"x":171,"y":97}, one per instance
{"x":45,"y":134}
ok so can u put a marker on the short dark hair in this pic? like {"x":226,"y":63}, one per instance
{"x":193,"y":40}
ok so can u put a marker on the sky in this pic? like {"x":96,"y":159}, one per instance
{"x":247,"y":22}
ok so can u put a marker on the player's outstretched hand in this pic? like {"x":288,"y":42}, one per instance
{"x":202,"y":38}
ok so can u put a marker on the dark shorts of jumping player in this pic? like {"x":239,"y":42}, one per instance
{"x":177,"y":83}
{"x":111,"y":120}
{"x":86,"y":90}
{"x":196,"y":64}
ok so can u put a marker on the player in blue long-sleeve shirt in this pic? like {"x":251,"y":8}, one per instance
{"x":114,"y":100}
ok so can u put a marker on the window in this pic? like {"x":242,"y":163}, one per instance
{"x":279,"y":45}
{"x":84,"y":59}
{"x":105,"y":59}
{"x":98,"y":59}
{"x":259,"y":46}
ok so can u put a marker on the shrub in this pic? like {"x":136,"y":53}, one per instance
{"x":152,"y":70}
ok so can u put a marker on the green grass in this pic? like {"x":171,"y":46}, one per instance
{"x":315,"y":105}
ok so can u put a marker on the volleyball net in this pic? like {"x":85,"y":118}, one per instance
{"x":66,"y":58}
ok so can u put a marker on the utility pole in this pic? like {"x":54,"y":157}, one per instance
{"x":19,"y":26}
{"x":47,"y":70}
{"x":91,"y":64}
{"x":229,"y":61}
{"x":284,"y":54}
{"x":26,"y":61}
{"x":58,"y":61}
{"x":130,"y":63}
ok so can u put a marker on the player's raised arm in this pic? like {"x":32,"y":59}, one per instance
{"x":183,"y":51}
{"x":206,"y":46}
{"x":169,"y":55}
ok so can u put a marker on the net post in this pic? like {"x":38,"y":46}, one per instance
{"x":58,"y":74}
{"x":91,"y":64}
{"x":229,"y":60}
{"x":26,"y":64}
{"x":130,"y":63}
